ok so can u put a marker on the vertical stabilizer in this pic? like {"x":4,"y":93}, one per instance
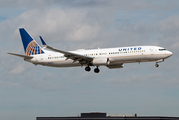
{"x":30,"y":45}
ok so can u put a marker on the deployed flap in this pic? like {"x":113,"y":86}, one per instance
{"x":23,"y":56}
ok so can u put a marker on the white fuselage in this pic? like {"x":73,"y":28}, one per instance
{"x":104,"y":57}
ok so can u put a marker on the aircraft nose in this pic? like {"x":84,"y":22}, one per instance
{"x":169,"y":53}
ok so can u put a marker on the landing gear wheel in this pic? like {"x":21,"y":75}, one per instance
{"x":96,"y":70}
{"x":87,"y":68}
{"x":156,"y":65}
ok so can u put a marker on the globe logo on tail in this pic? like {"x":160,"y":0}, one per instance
{"x":33,"y":49}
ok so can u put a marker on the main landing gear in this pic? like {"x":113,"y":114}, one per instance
{"x":96,"y":70}
{"x":87,"y":68}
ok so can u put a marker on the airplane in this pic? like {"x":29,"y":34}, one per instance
{"x":109,"y":57}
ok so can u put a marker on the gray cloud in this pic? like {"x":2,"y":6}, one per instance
{"x":18,"y":70}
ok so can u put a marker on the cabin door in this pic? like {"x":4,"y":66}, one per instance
{"x":152,"y":51}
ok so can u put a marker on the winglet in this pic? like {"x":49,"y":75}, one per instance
{"x":43,"y":42}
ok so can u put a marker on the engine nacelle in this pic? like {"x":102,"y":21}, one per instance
{"x":100,"y":61}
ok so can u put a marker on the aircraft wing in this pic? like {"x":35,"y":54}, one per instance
{"x":23,"y":56}
{"x":69,"y":55}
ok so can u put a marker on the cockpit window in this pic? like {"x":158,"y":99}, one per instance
{"x":162,"y":49}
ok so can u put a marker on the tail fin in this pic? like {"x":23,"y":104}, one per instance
{"x":30,"y":45}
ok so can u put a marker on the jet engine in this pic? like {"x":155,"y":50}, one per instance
{"x":100,"y":61}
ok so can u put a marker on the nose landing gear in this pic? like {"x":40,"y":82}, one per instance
{"x":156,"y":65}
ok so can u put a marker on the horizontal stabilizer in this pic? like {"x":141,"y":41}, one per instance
{"x":23,"y":56}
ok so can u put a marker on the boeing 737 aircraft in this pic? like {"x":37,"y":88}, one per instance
{"x":110,"y":57}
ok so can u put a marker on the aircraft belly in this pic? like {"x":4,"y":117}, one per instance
{"x":67,"y":63}
{"x":157,"y":57}
{"x":136,"y":58}
{"x":113,"y":60}
{"x":130,"y":59}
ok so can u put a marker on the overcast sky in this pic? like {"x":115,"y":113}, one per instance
{"x":28,"y":91}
